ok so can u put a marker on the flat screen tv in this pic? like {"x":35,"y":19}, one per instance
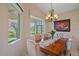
{"x":62,"y":25}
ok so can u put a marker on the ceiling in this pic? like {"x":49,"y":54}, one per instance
{"x":58,"y":7}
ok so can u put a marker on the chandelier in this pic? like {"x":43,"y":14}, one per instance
{"x":51,"y":16}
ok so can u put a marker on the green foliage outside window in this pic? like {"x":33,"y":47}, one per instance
{"x":36,"y":27}
{"x":14,"y":24}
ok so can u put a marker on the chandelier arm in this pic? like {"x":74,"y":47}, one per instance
{"x":51,"y":16}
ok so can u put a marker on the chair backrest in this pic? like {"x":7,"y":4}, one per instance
{"x":47,"y":36}
{"x":31,"y":48}
{"x":38,"y":38}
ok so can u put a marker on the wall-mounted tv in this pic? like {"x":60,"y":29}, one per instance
{"x":62,"y":25}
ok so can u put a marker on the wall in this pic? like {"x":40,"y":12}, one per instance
{"x":74,"y":33}
{"x":29,"y":10}
{"x":18,"y":48}
{"x":48,"y":26}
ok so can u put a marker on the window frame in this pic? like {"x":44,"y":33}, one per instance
{"x":17,"y":7}
{"x":38,"y":19}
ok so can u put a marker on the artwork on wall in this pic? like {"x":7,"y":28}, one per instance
{"x":62,"y":25}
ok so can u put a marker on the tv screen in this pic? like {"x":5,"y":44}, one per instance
{"x":62,"y":25}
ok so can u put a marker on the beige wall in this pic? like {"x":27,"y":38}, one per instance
{"x":31,"y":10}
{"x":74,"y":29}
{"x":34,"y":11}
{"x":73,"y":16}
{"x":74,"y":33}
{"x":48,"y":26}
{"x":20,"y":46}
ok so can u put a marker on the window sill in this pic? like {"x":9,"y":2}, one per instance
{"x":13,"y":42}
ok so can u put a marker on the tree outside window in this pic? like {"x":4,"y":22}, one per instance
{"x":14,"y":24}
{"x":36,"y":27}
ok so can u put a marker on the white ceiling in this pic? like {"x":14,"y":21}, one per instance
{"x":58,"y":7}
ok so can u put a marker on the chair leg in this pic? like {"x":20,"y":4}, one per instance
{"x":65,"y":52}
{"x":70,"y":54}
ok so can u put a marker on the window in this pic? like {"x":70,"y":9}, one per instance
{"x":14,"y":23}
{"x":32,"y":29}
{"x":36,"y":26}
{"x":40,"y":27}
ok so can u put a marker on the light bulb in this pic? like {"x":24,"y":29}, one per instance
{"x":56,"y":16}
{"x":48,"y":15}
